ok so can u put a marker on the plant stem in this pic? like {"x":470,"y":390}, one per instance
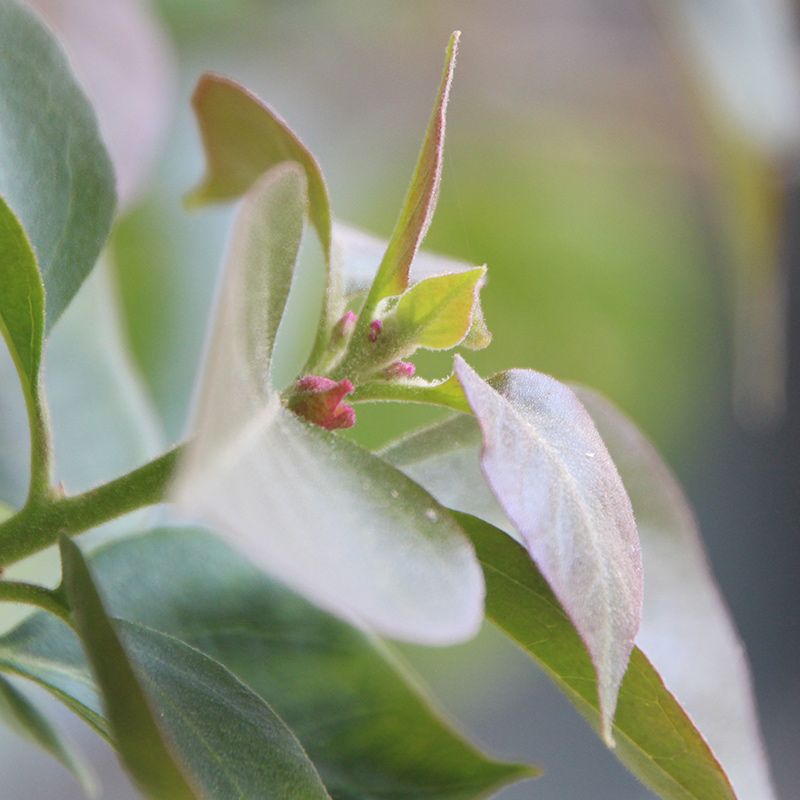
{"x":39,"y":524}
{"x":39,"y":427}
{"x":27,"y":593}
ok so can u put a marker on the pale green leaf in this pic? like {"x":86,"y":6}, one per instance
{"x":446,"y":392}
{"x":54,"y":171}
{"x":553,"y":477}
{"x":23,"y":717}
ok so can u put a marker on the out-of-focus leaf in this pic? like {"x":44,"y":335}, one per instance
{"x":552,"y":475}
{"x":184,"y":725}
{"x":420,"y":202}
{"x":654,"y":736}
{"x":343,"y":527}
{"x":123,"y":61}
{"x":98,"y":404}
{"x":686,"y":629}
{"x":363,"y":721}
{"x":54,"y":171}
{"x":243,"y":137}
{"x":22,"y":716}
{"x":21,"y":299}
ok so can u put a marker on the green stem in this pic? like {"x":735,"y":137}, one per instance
{"x":39,"y":427}
{"x":39,"y":524}
{"x":27,"y":593}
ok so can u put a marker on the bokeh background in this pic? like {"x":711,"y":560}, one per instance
{"x":629,"y":174}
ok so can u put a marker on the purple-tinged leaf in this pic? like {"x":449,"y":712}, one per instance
{"x":553,"y":477}
{"x":420,"y":202}
{"x":686,"y":630}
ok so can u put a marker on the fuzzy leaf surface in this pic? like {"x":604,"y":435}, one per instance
{"x":552,"y":475}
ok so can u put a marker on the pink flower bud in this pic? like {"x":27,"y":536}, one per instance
{"x":345,"y":326}
{"x":319,"y":400}
{"x":375,"y":328}
{"x":400,"y":369}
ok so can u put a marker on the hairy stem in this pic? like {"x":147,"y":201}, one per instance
{"x":39,"y":524}
{"x":27,"y":593}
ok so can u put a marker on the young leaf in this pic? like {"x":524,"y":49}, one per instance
{"x":184,"y":725}
{"x":655,"y":738}
{"x":420,"y":201}
{"x":363,"y":721}
{"x":686,"y":629}
{"x":446,"y":392}
{"x":551,"y":473}
{"x":437,"y":312}
{"x":343,"y":527}
{"x":21,"y":299}
{"x":22,"y":716}
{"x":54,"y":171}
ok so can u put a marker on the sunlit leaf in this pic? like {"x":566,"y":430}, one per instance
{"x":686,"y":630}
{"x":183,"y":724}
{"x":328,"y":518}
{"x":420,"y":201}
{"x":123,"y":61}
{"x":362,"y":719}
{"x":21,"y":299}
{"x":22,"y":716}
{"x":654,"y":736}
{"x":54,"y":171}
{"x":446,"y":392}
{"x":552,"y":475}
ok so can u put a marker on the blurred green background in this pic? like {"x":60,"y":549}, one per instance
{"x":632,"y":224}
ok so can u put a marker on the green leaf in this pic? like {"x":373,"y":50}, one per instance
{"x":420,"y":201}
{"x":21,"y":300}
{"x":446,"y":392}
{"x":551,"y":473}
{"x":22,"y":716}
{"x":437,"y":312}
{"x":184,"y":725}
{"x":686,"y":630}
{"x":54,"y":171}
{"x":132,"y":718}
{"x":654,"y":736}
{"x":366,"y":725}
{"x":344,"y":528}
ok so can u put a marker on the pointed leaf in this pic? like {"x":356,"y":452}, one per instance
{"x":21,"y":299}
{"x":175,"y":714}
{"x":437,"y":312}
{"x":655,"y":738}
{"x":420,"y":202}
{"x":551,"y":473}
{"x":325,"y":516}
{"x":54,"y":171}
{"x":686,"y":629}
{"x":364,"y":722}
{"x":446,"y":392}
{"x":22,"y":716}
